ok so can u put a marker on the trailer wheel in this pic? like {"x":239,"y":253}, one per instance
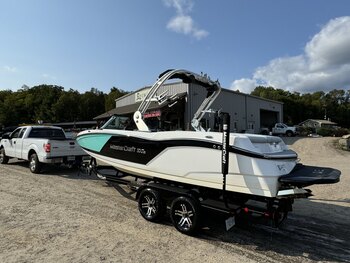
{"x":151,"y":205}
{"x":34,"y":164}
{"x":184,"y":213}
{"x":3,"y":158}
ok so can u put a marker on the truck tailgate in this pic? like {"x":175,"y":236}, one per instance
{"x":62,"y":148}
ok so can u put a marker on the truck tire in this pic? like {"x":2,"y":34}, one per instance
{"x":289,"y":133}
{"x":34,"y":164}
{"x":3,"y":158}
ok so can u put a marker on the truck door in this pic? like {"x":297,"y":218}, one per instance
{"x":279,"y":128}
{"x":19,"y":144}
{"x":10,"y":144}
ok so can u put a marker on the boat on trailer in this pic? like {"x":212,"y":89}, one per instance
{"x":211,"y":169}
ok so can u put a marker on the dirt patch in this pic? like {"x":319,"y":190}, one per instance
{"x":65,"y":217}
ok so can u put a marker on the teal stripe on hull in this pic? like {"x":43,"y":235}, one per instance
{"x":93,"y":142}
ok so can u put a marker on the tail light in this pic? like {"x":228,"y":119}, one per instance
{"x":47,"y":147}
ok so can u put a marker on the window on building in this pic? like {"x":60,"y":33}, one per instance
{"x":250,"y":125}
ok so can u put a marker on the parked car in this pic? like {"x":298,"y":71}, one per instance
{"x":38,"y":145}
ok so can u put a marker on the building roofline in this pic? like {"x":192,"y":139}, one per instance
{"x":223,"y":89}
{"x":319,"y":121}
{"x":252,"y":96}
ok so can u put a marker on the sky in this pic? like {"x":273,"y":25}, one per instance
{"x":300,"y":46}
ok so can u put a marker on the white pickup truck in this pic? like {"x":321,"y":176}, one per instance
{"x":280,"y":129}
{"x":38,"y":145}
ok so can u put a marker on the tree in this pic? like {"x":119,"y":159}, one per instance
{"x":92,"y":104}
{"x":41,"y":100}
{"x":299,"y":107}
{"x":112,"y":96}
{"x":66,"y":109}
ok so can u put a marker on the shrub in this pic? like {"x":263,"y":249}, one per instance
{"x":305,"y":131}
{"x":337,"y":132}
{"x":341,"y":132}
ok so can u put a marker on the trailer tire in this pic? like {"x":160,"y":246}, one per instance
{"x":3,"y":158}
{"x":184,"y":213}
{"x":34,"y":164}
{"x":151,"y":205}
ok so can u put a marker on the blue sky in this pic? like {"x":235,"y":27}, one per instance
{"x":294,"y":45}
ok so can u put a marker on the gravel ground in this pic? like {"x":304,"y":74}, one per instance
{"x":60,"y":216}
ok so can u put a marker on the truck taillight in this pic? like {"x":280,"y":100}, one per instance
{"x":47,"y":147}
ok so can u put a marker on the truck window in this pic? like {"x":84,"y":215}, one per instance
{"x":22,"y":132}
{"x":46,"y":133}
{"x":15,"y":133}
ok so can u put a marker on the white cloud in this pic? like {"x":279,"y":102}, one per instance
{"x":181,"y":6}
{"x":183,"y":23}
{"x":9,"y":69}
{"x":243,"y":85}
{"x":324,"y":65}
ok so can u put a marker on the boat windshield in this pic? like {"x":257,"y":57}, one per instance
{"x":119,"y":123}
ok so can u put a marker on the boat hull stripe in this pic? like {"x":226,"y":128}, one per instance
{"x":142,"y":151}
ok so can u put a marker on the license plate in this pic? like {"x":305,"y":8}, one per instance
{"x":71,"y":158}
{"x":230,"y":222}
{"x":57,"y":160}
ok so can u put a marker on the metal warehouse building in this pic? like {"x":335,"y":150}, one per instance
{"x":248,"y":113}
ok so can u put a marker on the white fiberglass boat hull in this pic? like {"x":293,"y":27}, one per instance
{"x":255,"y":161}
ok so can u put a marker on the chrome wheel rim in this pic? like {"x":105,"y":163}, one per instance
{"x":32,"y":164}
{"x":185,"y":216}
{"x":148,"y":205}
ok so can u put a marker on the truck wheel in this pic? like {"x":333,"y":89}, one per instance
{"x":34,"y":164}
{"x":151,"y":206}
{"x":289,"y":133}
{"x":184,"y":213}
{"x":3,"y":158}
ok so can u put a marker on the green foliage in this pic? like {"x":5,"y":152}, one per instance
{"x":325,"y":131}
{"x":341,"y":132}
{"x":92,"y":104}
{"x":67,"y":107}
{"x":336,"y":132}
{"x":305,"y":131}
{"x":114,"y":94}
{"x":300,"y":107}
{"x":51,"y":103}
